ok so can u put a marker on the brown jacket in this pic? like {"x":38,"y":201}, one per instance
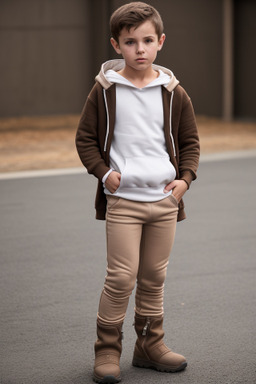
{"x":96,"y":128}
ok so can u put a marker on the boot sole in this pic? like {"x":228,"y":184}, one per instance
{"x":107,"y":380}
{"x":158,"y":367}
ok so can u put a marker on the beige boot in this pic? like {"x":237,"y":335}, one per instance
{"x":150,"y":350}
{"x":108,"y":350}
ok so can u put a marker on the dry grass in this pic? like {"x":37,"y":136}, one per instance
{"x":219,"y":136}
{"x":30,"y":143}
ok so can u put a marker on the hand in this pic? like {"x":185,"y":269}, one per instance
{"x":178,"y":187}
{"x":113,"y":181}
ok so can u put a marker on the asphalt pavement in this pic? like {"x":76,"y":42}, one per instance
{"x":52,"y":268}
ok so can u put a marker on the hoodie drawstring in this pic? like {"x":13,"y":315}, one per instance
{"x":174,"y":150}
{"x":107,"y":132}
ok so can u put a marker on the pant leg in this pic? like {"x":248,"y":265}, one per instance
{"x":123,"y":231}
{"x":157,"y":241}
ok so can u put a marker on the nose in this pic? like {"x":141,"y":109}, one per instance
{"x":140,"y":48}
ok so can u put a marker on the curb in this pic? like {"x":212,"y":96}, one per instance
{"x":204,"y":158}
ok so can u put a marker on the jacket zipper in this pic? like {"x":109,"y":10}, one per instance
{"x":107,"y":131}
{"x":171,"y":135}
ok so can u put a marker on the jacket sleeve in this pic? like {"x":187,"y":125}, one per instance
{"x":189,"y":147}
{"x":88,"y":141}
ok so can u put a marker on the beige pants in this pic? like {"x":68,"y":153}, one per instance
{"x":139,"y":241}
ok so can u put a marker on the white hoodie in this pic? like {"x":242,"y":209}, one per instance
{"x":138,"y":150}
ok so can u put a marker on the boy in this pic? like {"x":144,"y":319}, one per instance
{"x":138,"y":136}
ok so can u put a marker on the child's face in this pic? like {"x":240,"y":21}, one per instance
{"x":139,"y":46}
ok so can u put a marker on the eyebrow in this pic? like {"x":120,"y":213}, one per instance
{"x":146,"y":37}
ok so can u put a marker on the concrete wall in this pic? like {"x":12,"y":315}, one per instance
{"x":245,"y":59}
{"x":52,"y":49}
{"x":45,"y":51}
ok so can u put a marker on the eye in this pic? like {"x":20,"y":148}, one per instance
{"x":149,"y":40}
{"x":129,"y":42}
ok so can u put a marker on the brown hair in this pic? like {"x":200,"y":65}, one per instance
{"x":132,"y":15}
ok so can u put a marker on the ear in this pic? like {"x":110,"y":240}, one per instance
{"x":115,"y":45}
{"x":161,"y":42}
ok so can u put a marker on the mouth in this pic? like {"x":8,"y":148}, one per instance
{"x":141,"y":60}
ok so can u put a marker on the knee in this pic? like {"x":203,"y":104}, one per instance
{"x":152,"y":283}
{"x":121,"y":283}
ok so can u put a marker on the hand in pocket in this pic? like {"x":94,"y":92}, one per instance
{"x":178,"y":187}
{"x":113,"y":181}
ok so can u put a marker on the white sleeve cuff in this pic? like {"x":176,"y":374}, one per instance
{"x":104,"y":178}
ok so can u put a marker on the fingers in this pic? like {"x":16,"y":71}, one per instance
{"x":113,"y":181}
{"x":169,"y":187}
{"x":178,"y":187}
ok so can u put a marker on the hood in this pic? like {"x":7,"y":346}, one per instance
{"x":115,"y":77}
{"x":118,"y":64}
